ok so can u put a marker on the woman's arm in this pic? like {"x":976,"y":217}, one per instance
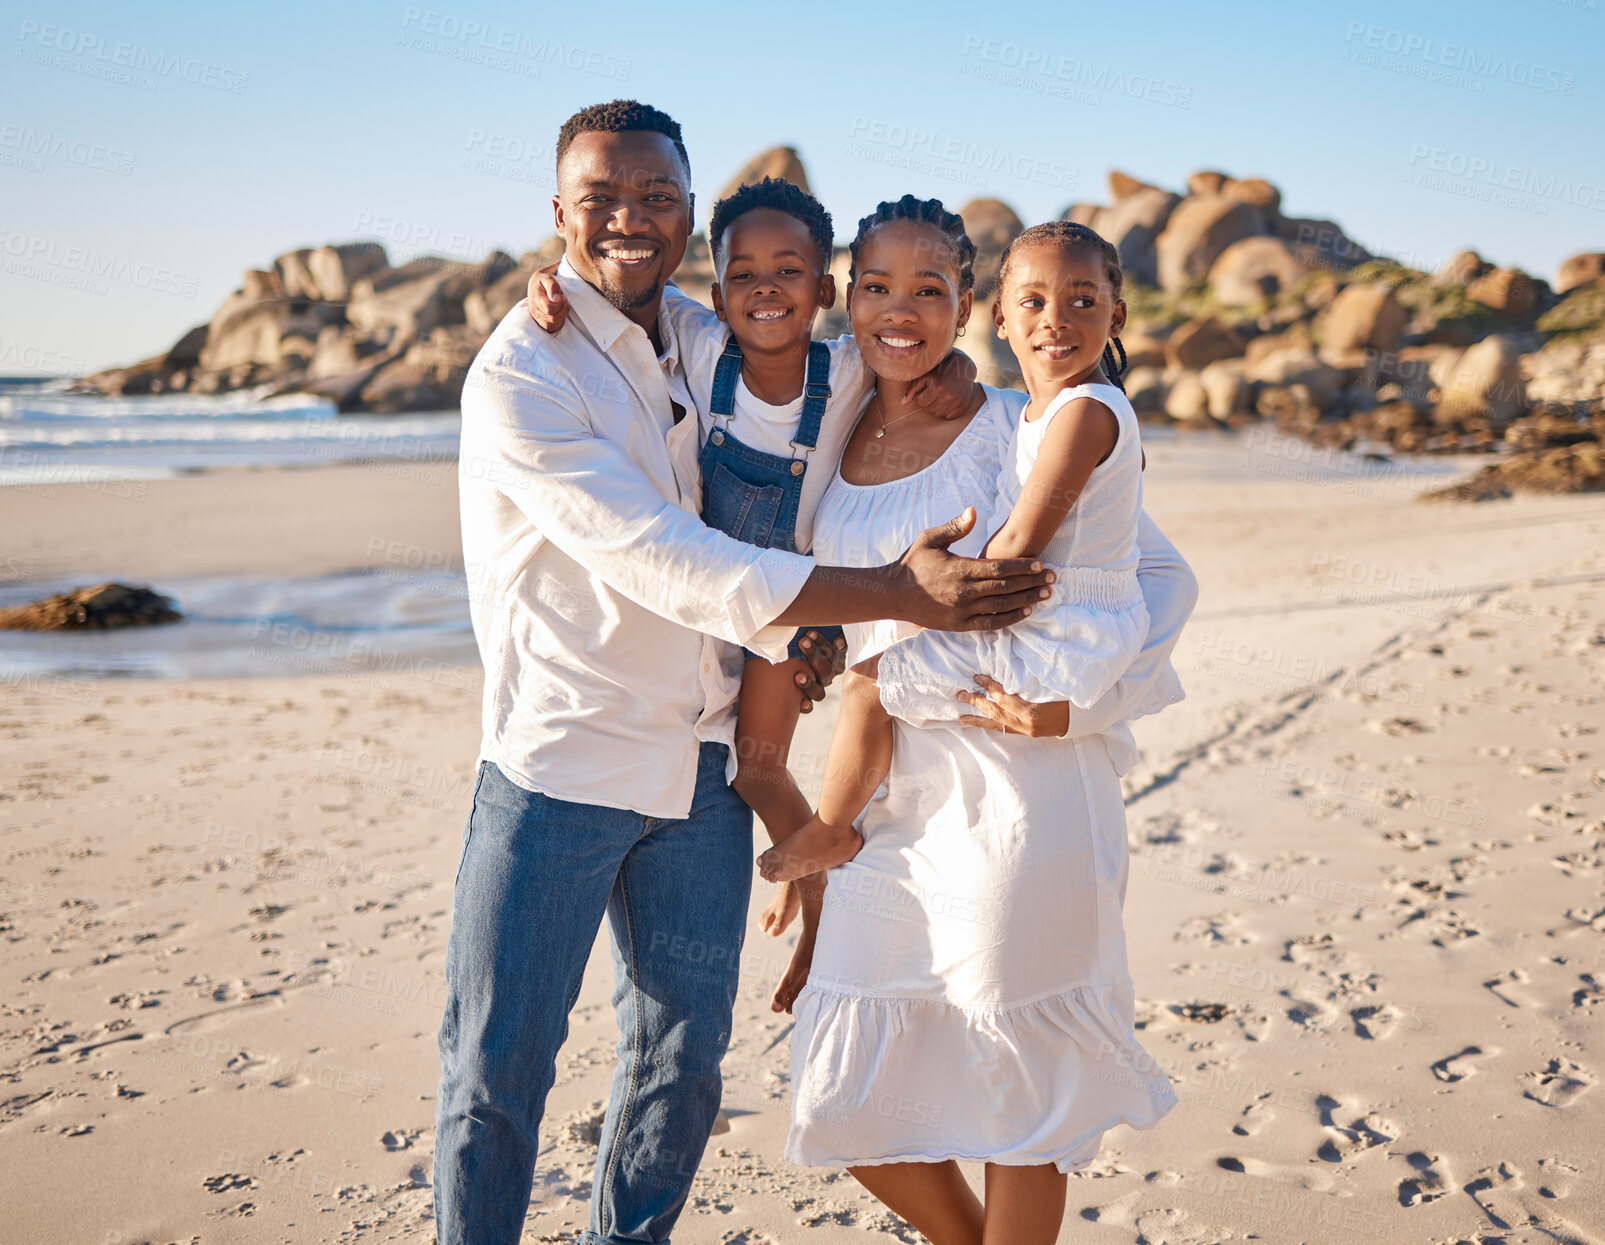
{"x":1083,"y":433}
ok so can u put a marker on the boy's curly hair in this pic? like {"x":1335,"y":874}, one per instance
{"x":781,"y":196}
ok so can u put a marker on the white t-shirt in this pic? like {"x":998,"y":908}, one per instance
{"x":770,"y":429}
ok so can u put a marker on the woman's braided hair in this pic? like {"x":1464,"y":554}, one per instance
{"x":927,"y":212}
{"x":1065,"y":233}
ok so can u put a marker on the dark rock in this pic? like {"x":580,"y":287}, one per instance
{"x":104,"y":607}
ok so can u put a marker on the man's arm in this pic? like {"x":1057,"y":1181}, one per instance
{"x":597,"y":505}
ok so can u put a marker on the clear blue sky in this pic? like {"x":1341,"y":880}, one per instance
{"x":1420,"y":128}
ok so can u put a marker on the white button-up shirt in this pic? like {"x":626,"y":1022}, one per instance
{"x":605,"y":610}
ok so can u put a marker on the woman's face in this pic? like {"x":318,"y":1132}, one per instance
{"x":905,"y":305}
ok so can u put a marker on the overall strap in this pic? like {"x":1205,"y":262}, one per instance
{"x":725,"y":376}
{"x":816,"y":392}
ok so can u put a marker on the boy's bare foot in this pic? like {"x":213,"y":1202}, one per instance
{"x":796,"y":974}
{"x":815,"y":847}
{"x":782,"y":910}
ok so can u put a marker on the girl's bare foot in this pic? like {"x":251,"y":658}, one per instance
{"x":796,"y":974}
{"x":782,"y":910}
{"x":815,"y":847}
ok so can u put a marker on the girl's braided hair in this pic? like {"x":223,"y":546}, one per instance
{"x":928,"y":212}
{"x":1064,"y":233}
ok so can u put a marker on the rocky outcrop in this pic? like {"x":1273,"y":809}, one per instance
{"x":781,"y":162}
{"x":104,"y":607}
{"x":1197,"y":232}
{"x":1579,"y":270}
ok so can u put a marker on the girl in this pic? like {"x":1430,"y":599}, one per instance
{"x":1059,"y":306}
{"x":968,"y":997}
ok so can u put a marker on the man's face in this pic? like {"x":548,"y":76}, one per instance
{"x":623,"y":207}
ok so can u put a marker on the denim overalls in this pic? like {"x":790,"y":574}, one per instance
{"x":752,"y":495}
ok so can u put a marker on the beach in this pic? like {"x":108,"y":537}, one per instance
{"x":1364,"y":914}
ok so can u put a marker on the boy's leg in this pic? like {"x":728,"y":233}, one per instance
{"x":766,"y":722}
{"x":677,"y":917}
{"x":531,"y":888}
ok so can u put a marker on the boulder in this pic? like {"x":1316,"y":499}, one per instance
{"x":1188,"y":401}
{"x":1580,"y":270}
{"x":1133,"y":225}
{"x":1143,"y":349}
{"x":334,"y":268}
{"x":1364,"y":316}
{"x":484,"y":308}
{"x":991,"y":225}
{"x":1484,"y":382}
{"x":1254,"y":270}
{"x":1297,"y":366}
{"x":1225,"y":390}
{"x":1296,"y":337}
{"x":1566,"y":372}
{"x":1461,"y":268}
{"x":245,"y":332}
{"x":1123,"y":184}
{"x":105,"y":607}
{"x":1327,"y":245}
{"x":186,"y":351}
{"x":1257,"y":191}
{"x":1576,"y":468}
{"x":1509,"y":291}
{"x":1145,"y":390}
{"x":257,"y":284}
{"x":1200,"y":341}
{"x":1198,"y":230}
{"x":1083,"y":214}
{"x":401,"y":305}
{"x":294,"y":277}
{"x":1206,"y":182}
{"x":781,"y":162}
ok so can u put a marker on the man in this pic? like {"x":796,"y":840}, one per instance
{"x":607,"y":617}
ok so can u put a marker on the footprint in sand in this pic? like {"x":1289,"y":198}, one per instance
{"x":1315,"y":1181}
{"x":1354,"y":1138}
{"x":1431,"y":1181}
{"x":1559,"y":1084}
{"x":1509,"y":989}
{"x":1452,"y":1068}
{"x":1254,"y":1117}
{"x":1493,"y":1190}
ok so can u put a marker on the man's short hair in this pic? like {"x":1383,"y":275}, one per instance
{"x":621,"y":116}
{"x":781,"y":196}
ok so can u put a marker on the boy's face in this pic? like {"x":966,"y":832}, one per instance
{"x":1056,"y":310}
{"x":771,"y":284}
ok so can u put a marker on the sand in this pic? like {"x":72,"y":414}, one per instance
{"x":1365,"y":912}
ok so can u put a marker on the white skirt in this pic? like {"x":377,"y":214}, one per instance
{"x":969,"y":996}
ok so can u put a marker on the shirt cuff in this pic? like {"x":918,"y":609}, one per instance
{"x":765,"y":588}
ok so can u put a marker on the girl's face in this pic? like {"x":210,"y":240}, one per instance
{"x":905,"y":305}
{"x":1057,"y":309}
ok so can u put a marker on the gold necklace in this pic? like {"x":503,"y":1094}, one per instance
{"x":881,"y":406}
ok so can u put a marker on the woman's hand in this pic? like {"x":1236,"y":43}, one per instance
{"x":548,"y":305}
{"x":825,"y":662}
{"x":1008,"y":714}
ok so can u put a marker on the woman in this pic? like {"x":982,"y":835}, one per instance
{"x":968,"y":996}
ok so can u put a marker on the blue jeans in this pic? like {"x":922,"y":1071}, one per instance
{"x":536,"y":876}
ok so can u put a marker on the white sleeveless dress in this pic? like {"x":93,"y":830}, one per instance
{"x":1078,"y":643}
{"x":969,"y":996}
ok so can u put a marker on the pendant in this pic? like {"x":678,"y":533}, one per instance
{"x":880,"y":434}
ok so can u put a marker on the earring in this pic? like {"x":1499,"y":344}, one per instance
{"x":962,"y":328}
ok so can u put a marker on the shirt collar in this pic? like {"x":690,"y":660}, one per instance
{"x":605,"y":322}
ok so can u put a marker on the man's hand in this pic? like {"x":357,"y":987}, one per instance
{"x":548,"y":305}
{"x":826,"y":661}
{"x":943,"y":592}
{"x":948,"y":390}
{"x":1009,"y":715}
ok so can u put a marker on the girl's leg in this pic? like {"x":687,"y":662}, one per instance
{"x":934,"y":1197}
{"x":1024,"y":1205}
{"x":859,"y":758}
{"x":811,"y":892}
